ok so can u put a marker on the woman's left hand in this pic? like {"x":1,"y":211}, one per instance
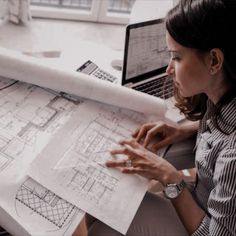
{"x":145,"y":163}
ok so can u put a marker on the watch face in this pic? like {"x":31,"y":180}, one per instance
{"x":171,"y":192}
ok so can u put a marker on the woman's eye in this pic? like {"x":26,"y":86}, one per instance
{"x":175,"y":58}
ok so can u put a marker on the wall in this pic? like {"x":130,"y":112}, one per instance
{"x":144,"y":10}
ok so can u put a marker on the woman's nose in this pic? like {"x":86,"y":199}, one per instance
{"x":170,"y":69}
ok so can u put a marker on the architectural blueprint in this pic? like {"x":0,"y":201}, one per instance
{"x":33,"y":200}
{"x":147,"y":50}
{"x":71,"y":138}
{"x":29,"y":117}
{"x":76,"y":169}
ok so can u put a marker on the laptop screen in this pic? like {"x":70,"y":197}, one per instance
{"x":145,"y":53}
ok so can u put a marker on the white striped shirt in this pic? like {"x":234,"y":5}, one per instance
{"x":215,"y":190}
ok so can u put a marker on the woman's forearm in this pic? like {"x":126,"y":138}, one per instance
{"x":188,"y":210}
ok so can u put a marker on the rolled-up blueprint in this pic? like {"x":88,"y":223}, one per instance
{"x":35,"y":71}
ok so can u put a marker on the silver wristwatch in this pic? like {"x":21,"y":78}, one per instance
{"x":172,"y":191}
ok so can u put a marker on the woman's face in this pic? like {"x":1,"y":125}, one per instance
{"x":189,"y":71}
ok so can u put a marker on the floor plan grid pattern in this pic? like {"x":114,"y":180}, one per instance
{"x":49,"y":206}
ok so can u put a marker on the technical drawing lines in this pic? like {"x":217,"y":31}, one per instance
{"x":28,"y":112}
{"x":6,"y":83}
{"x":93,"y":184}
{"x":45,"y":203}
{"x":5,"y":160}
{"x":98,"y":138}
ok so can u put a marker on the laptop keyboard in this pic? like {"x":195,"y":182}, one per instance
{"x":161,"y":87}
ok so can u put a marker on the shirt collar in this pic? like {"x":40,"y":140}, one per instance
{"x":226,"y":120}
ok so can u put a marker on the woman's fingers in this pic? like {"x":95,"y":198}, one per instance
{"x":118,"y":151}
{"x":156,"y":134}
{"x":128,"y":163}
{"x":141,"y":132}
{"x":124,"y":151}
{"x":140,"y":161}
{"x":130,"y":142}
{"x":136,"y":132}
{"x":165,"y":142}
{"x":149,"y":132}
{"x":119,"y":163}
{"x":133,"y":171}
{"x":134,"y":149}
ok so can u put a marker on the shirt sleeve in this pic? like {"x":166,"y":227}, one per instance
{"x":222,"y":199}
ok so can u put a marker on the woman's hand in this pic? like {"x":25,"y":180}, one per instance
{"x":159,"y":134}
{"x":144,"y":163}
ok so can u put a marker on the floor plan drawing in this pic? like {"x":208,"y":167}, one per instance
{"x":25,"y":112}
{"x":88,"y":176}
{"x":83,"y":162}
{"x":76,"y":170}
{"x":29,"y":117}
{"x":43,"y":202}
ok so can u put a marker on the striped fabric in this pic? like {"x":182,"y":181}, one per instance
{"x":215,"y":189}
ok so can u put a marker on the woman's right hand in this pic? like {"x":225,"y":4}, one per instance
{"x":159,"y":134}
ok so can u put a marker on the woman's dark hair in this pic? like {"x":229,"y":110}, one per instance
{"x":204,"y":25}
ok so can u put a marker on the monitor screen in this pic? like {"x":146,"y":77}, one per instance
{"x":145,"y":49}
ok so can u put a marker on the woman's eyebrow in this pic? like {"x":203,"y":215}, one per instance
{"x":173,"y":51}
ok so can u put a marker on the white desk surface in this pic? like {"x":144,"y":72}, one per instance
{"x":77,"y":41}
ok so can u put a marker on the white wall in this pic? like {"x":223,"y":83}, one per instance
{"x":144,"y":10}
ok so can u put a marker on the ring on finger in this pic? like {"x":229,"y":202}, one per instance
{"x":128,"y":163}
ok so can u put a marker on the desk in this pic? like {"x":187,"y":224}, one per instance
{"x":64,"y":36}
{"x":77,"y":41}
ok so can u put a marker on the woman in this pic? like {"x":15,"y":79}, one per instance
{"x":200,"y":38}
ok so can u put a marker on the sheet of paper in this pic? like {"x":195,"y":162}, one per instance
{"x":76,"y":171}
{"x":29,"y":117}
{"x":33,"y":70}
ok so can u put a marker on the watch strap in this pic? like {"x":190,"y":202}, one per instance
{"x":181,"y":185}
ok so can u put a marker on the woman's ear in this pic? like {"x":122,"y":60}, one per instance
{"x":216,"y":61}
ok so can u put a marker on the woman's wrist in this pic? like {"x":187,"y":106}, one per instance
{"x":189,"y":129}
{"x":174,"y":178}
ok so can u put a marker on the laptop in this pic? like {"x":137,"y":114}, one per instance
{"x":144,"y":64}
{"x":146,"y":58}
